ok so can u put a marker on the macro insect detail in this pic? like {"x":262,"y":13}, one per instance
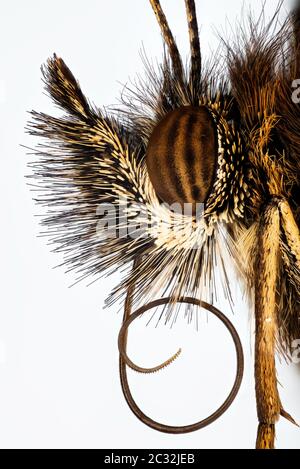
{"x":224,"y":136}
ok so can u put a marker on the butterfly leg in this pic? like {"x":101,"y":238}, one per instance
{"x":290,"y":243}
{"x":269,"y":406}
{"x":267,"y":397}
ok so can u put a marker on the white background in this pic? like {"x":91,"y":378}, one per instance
{"x":59,"y":384}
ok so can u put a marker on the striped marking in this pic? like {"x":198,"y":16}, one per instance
{"x":182,"y":155}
